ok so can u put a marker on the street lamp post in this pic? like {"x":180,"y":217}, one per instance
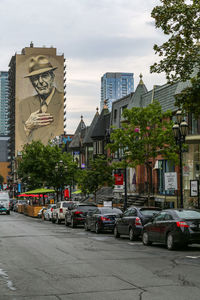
{"x":125,"y":188}
{"x":180,"y":132}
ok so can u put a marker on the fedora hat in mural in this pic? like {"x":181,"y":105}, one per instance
{"x":38,"y":65}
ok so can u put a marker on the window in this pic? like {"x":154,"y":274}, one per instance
{"x":168,"y":217}
{"x":127,"y":213}
{"x":95,"y":148}
{"x":115,"y":114}
{"x":188,"y":214}
{"x":133,"y":212}
{"x":160,"y":217}
{"x":100,"y":147}
{"x":122,"y":109}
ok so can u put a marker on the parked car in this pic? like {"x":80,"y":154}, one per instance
{"x":76,"y":215}
{"x":58,"y":213}
{"x":102,"y":219}
{"x":173,"y":227}
{"x":131,"y":222}
{"x":48,"y":212}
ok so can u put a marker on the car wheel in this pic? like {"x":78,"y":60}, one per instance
{"x":8,"y":212}
{"x":53,"y":220}
{"x":66,"y":223}
{"x":97,"y":229}
{"x":145,"y":239}
{"x":116,"y":233}
{"x":72,"y":223}
{"x":170,"y":242}
{"x":86,"y":226}
{"x":58,"y":221}
{"x":131,"y":234}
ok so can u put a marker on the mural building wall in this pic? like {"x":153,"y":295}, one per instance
{"x":39,"y":96}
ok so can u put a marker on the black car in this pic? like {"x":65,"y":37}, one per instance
{"x":103,"y":218}
{"x":132,"y":221}
{"x":76,"y":215}
{"x":173,"y":227}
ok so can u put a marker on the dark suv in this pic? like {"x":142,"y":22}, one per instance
{"x":131,"y":222}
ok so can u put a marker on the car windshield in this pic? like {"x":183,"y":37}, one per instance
{"x":149,"y":212}
{"x":67,"y":204}
{"x":110,"y":210}
{"x":188,"y":214}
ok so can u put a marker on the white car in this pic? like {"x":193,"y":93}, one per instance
{"x":58,"y":213}
{"x":48,"y":212}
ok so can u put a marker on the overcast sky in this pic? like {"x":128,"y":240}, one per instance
{"x":96,"y":36}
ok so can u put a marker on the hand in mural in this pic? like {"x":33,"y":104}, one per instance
{"x":37,"y":119}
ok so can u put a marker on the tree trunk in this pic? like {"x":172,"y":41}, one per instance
{"x":95,"y":197}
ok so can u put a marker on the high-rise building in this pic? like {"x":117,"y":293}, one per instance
{"x":36,"y":92}
{"x":115,"y":86}
{"x":4,"y":103}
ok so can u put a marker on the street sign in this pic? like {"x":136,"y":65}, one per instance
{"x":194,"y":188}
{"x":107,"y":203}
{"x":119,"y":179}
{"x":170,"y":181}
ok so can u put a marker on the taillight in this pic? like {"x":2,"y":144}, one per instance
{"x":182,"y":224}
{"x":138,"y":222}
{"x":104,"y":219}
{"x":78,"y":212}
{"x":61,"y":210}
{"x":51,"y":209}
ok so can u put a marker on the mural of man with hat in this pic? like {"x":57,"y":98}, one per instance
{"x":42,"y":114}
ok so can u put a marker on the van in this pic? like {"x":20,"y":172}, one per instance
{"x":4,"y":203}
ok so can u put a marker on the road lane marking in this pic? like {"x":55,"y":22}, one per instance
{"x":193,"y":257}
{"x":6,"y":278}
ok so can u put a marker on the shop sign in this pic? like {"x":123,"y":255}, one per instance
{"x":107,"y":203}
{"x":19,"y":188}
{"x":194,"y":188}
{"x":170,"y":181}
{"x":119,"y":179}
{"x":186,"y":170}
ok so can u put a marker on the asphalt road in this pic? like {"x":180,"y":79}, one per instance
{"x":41,"y":260}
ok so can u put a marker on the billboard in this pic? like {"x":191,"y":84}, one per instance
{"x":39,"y":96}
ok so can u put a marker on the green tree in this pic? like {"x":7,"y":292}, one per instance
{"x":37,"y":166}
{"x":145,"y":134}
{"x":189,"y":98}
{"x":180,"y":20}
{"x":99,"y":175}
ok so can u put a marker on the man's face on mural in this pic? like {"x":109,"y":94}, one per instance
{"x":43,"y":83}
